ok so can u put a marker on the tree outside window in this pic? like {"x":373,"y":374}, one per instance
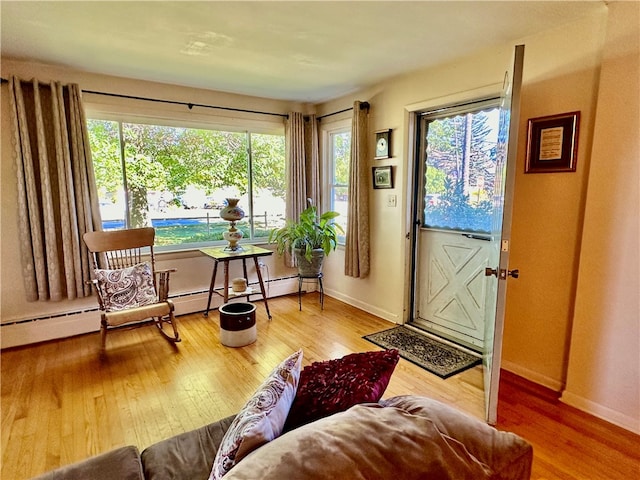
{"x":340,"y":149}
{"x":460,"y":170}
{"x":177,"y":179}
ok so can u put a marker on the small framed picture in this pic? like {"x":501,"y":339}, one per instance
{"x":383,"y":144}
{"x":382,"y":177}
{"x":552,"y":143}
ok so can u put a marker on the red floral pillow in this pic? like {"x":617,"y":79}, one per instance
{"x":333,"y":386}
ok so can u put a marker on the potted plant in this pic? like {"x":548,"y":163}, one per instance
{"x":311,"y":238}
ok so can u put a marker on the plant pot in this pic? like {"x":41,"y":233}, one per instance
{"x":310,"y":268}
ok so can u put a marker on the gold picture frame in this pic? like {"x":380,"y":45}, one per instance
{"x":552,"y":143}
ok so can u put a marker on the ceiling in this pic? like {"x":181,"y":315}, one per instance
{"x":302,"y":51}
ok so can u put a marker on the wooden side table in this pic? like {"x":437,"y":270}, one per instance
{"x":219,"y":254}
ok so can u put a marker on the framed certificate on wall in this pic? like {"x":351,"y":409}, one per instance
{"x":552,"y":143}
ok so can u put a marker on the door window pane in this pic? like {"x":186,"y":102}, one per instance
{"x":460,"y":170}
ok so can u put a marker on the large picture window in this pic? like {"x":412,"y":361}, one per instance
{"x":178,"y":179}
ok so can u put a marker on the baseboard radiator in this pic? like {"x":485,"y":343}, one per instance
{"x":63,"y":325}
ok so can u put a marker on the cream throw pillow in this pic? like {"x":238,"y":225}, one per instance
{"x":262,"y":417}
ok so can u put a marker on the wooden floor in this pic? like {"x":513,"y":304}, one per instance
{"x":60,"y":403}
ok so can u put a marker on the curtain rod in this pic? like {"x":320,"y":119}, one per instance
{"x":175,"y":102}
{"x":363,"y":106}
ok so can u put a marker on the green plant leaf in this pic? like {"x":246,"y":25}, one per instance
{"x":309,"y":232}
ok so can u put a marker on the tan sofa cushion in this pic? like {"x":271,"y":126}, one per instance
{"x":365,"y":442}
{"x":122,"y":464}
{"x":185,"y":456}
{"x":508,"y":455}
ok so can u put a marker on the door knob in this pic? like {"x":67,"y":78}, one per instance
{"x":488,"y":271}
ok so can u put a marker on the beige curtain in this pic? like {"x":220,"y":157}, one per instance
{"x":303,"y":167}
{"x":57,"y":196}
{"x":356,"y":262}
{"x":296,"y":171}
{"x":312,"y":160}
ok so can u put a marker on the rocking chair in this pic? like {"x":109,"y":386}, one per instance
{"x":128,"y":288}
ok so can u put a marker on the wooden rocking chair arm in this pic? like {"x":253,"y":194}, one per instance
{"x":93,"y":282}
{"x":162,"y":283}
{"x":167,"y":270}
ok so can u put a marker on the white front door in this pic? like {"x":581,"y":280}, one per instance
{"x":498,"y":269}
{"x":464,"y":191}
{"x":452,"y":285}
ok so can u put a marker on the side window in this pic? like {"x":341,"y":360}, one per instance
{"x":339,"y":158}
{"x":460,"y":170}
{"x":178,"y":179}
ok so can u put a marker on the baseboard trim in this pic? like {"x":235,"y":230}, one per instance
{"x":37,"y":330}
{"x":378,"y":312}
{"x":535,"y":377}
{"x":600,"y":411}
{"x":529,"y":386}
{"x":554,"y":391}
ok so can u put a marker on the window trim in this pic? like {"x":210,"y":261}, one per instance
{"x":204,"y":122}
{"x":178,"y":116}
{"x":336,"y":127}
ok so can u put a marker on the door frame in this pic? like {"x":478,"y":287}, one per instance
{"x":441,"y":111}
{"x":412,"y":123}
{"x":412,"y":116}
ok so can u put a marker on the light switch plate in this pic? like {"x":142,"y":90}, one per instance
{"x":392,"y":200}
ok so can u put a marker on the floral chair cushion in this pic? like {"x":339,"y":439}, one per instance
{"x":125,"y":288}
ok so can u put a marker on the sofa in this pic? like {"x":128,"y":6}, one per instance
{"x":328,"y":422}
{"x":478,"y":450}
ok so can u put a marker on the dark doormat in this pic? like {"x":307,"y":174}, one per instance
{"x":436,"y":357}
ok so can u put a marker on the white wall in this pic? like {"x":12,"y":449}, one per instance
{"x":384,"y":291}
{"x":604,"y":363}
{"x":561,"y":74}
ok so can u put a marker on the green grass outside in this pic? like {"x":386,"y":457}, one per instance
{"x":179,"y":234}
